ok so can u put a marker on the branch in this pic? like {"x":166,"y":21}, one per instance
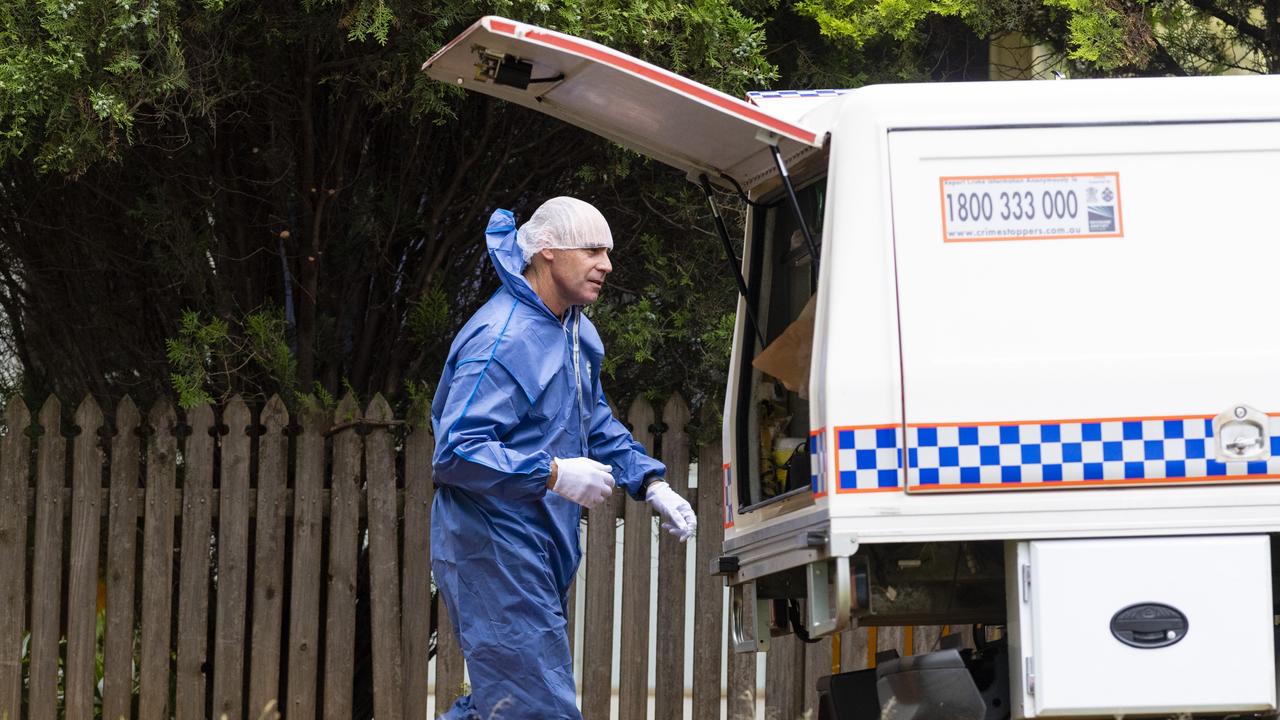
{"x":1235,"y":22}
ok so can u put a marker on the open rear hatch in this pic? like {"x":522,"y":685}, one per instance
{"x":640,"y":106}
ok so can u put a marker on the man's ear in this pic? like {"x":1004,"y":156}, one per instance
{"x":547,"y":255}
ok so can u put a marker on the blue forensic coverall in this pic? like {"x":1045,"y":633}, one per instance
{"x":519,"y":388}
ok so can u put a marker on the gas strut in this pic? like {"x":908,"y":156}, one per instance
{"x":795,"y":206}
{"x":734,"y":263}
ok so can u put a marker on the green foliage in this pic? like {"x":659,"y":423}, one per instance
{"x":319,"y":401}
{"x":668,"y":308}
{"x":180,"y":162}
{"x":210,"y":360}
{"x":74,"y":76}
{"x":429,"y":315}
{"x":418,"y":395}
{"x":370,"y":18}
{"x":1101,"y":37}
{"x":861,"y":21}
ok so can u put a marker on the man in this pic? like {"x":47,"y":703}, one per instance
{"x":524,"y":441}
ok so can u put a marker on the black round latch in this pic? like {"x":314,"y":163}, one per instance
{"x":1149,"y":625}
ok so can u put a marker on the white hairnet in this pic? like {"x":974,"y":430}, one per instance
{"x":563,"y":222}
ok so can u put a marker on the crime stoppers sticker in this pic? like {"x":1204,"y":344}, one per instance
{"x":984,"y":208}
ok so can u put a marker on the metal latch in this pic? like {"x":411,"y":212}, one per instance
{"x":1242,"y":434}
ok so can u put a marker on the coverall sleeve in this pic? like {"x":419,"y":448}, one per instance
{"x":484,"y":405}
{"x":611,"y":443}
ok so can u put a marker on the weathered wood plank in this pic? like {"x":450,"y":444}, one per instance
{"x":708,"y":612}
{"x":449,"y":663}
{"x":344,"y":530}
{"x":890,"y":638}
{"x":157,"y":564}
{"x":637,"y":554}
{"x":384,"y":571}
{"x":193,"y":567}
{"x":46,"y":569}
{"x":82,"y":580}
{"x":571,"y":604}
{"x":741,"y":684}
{"x":597,"y":645}
{"x":13,"y":541}
{"x":784,"y":678}
{"x":817,"y":663}
{"x":268,"y":562}
{"x":416,"y":589}
{"x":672,"y":559}
{"x":122,"y":533}
{"x":853,"y":650}
{"x":233,"y":562}
{"x":304,"y":595}
{"x":927,"y":639}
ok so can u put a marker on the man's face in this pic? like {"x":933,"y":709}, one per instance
{"x":579,"y":273}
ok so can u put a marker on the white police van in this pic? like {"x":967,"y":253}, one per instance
{"x":1004,"y":354}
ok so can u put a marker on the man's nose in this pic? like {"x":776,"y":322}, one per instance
{"x":604,"y":265}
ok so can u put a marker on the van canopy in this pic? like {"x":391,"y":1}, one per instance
{"x":640,"y":106}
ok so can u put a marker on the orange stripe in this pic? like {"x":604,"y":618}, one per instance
{"x":1052,"y":484}
{"x":988,"y":423}
{"x":1024,"y":238}
{"x":896,"y":488}
{"x":1019,"y":176}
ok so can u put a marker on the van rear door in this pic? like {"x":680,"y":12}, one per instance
{"x":1079,"y":303}
{"x":640,"y":106}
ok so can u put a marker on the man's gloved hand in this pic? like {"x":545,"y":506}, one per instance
{"x":677,"y":516}
{"x":583,"y":481}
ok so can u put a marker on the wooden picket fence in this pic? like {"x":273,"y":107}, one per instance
{"x":208,"y":565}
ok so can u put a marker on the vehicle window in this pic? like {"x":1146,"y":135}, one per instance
{"x":773,"y":410}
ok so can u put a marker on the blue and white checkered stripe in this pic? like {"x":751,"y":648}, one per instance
{"x":776,"y":94}
{"x":818,"y":462}
{"x":868,"y":458}
{"x":1115,"y":450}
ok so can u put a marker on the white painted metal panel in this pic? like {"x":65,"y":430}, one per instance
{"x":638,"y":105}
{"x":1224,"y":663}
{"x":1135,"y":334}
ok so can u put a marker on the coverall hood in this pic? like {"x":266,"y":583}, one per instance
{"x":508,"y":259}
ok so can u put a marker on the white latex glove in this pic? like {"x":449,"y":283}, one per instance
{"x":583,"y":481}
{"x":677,"y":516}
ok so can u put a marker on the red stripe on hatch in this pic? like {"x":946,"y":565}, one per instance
{"x":660,"y":76}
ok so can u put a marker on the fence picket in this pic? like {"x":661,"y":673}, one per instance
{"x":400,"y":617}
{"x":304,"y":596}
{"x":416,"y":590}
{"x":741,"y":683}
{"x":46,"y":568}
{"x":784,"y":678}
{"x":449,"y":663}
{"x":637,"y":553}
{"x":157,"y":564}
{"x":233,"y":560}
{"x":82,"y":580}
{"x":672,"y":561}
{"x":344,"y":531}
{"x":13,"y":541}
{"x":193,"y":568}
{"x":817,"y":663}
{"x":268,"y":562}
{"x":122,"y":533}
{"x":597,"y":645}
{"x":708,"y":607}
{"x":384,"y":573}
